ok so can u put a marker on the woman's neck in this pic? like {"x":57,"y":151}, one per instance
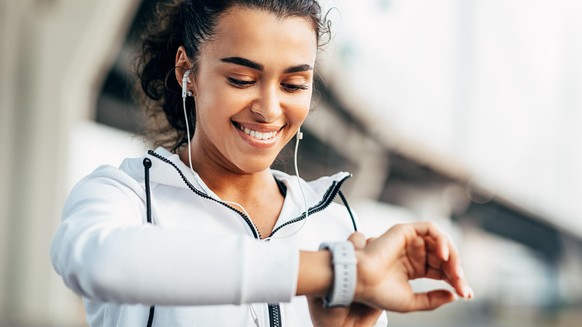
{"x":228,"y":183}
{"x":257,"y":194}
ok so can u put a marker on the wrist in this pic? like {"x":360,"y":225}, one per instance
{"x":360,"y":285}
{"x":343,"y":287}
{"x":315,"y":273}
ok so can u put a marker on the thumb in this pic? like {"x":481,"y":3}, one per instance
{"x":431,"y":300}
{"x":358,"y":240}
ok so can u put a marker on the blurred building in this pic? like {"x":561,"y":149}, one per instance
{"x":463,"y":112}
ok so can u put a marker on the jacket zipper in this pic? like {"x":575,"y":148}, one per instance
{"x":254,"y":229}
{"x":330,"y":194}
{"x":274,"y":315}
{"x":328,"y":197}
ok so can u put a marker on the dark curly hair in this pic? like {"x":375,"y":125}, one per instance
{"x":190,"y":23}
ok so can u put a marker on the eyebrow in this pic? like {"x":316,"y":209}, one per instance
{"x":299,"y":68}
{"x":256,"y":66}
{"x":243,"y":62}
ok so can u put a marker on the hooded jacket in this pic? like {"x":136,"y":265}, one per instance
{"x":201,"y":262}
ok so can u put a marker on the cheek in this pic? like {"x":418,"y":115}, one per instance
{"x":217,"y":106}
{"x":300,"y":109}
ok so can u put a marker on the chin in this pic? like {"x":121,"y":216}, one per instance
{"x":255,"y":166}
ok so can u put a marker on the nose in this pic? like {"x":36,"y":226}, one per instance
{"x":267,"y":107}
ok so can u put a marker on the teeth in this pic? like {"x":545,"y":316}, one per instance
{"x":258,"y":135}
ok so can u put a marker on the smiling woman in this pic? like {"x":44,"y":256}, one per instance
{"x":202,"y":231}
{"x":253,"y":79}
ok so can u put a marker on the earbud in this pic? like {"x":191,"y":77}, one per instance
{"x":185,"y":81}
{"x":299,"y":134}
{"x":186,"y":92}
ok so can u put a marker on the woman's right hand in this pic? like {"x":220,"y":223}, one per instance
{"x":406,"y":252}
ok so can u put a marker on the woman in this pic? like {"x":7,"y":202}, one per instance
{"x":232,"y":242}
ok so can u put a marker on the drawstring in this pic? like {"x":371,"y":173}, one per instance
{"x":349,"y":210}
{"x":147,"y":164}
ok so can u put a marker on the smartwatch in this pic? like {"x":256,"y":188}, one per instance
{"x":344,"y":261}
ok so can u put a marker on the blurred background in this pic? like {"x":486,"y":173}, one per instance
{"x":464,"y":112}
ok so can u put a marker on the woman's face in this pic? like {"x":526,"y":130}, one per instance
{"x":252,"y":88}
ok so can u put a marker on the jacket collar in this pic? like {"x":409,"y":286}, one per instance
{"x":168,"y":169}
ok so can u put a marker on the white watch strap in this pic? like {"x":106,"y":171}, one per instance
{"x":344,"y":278}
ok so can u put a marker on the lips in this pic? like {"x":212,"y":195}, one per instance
{"x":258,"y":135}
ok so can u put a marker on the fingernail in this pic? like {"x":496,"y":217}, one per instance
{"x":468,"y":292}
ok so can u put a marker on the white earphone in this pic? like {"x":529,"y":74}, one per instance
{"x":299,"y":134}
{"x":185,"y":81}
{"x":185,"y":92}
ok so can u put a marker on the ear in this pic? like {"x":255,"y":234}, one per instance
{"x":182,"y":64}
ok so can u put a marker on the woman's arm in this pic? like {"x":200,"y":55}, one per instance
{"x":104,"y":251}
{"x":315,"y":273}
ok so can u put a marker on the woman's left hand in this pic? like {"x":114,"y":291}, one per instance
{"x":356,"y":315}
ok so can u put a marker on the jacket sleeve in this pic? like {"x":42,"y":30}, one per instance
{"x":105,"y":252}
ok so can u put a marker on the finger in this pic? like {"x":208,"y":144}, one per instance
{"x":454,"y":271}
{"x":434,"y":261}
{"x":441,"y":247}
{"x":437,"y":260}
{"x":431,"y":300}
{"x":440,"y":239}
{"x":416,"y":253}
{"x":451,"y":270}
{"x":436,"y":274}
{"x":460,"y":285}
{"x":358,"y":240}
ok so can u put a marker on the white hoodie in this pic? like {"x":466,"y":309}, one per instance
{"x":200,"y":262}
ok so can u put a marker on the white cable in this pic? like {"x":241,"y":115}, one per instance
{"x":188,"y":134}
{"x":254,"y":315}
{"x":299,"y":137}
{"x":190,"y":153}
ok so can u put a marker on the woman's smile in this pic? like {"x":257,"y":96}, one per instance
{"x":258,"y":136}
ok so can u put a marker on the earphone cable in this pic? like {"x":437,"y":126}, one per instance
{"x":298,"y":137}
{"x":187,"y":133}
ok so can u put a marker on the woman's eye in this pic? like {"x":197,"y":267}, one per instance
{"x":239,"y":83}
{"x":294,"y":87}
